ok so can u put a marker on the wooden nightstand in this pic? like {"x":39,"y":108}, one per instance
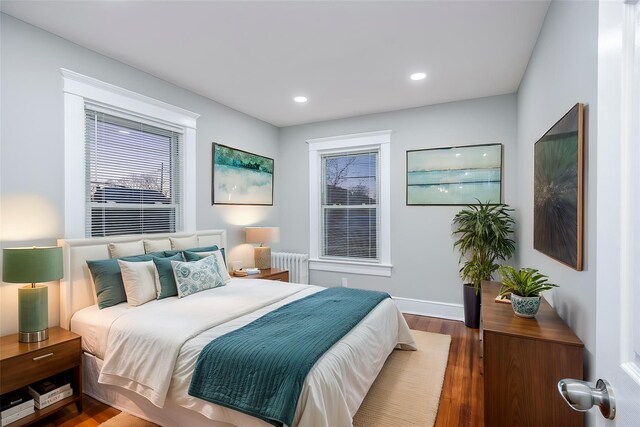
{"x":269,"y":274}
{"x":22,"y":364}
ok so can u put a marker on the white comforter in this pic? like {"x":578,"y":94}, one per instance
{"x":143,"y":344}
{"x":152,"y":350}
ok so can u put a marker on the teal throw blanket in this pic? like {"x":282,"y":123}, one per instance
{"x":260,"y":369}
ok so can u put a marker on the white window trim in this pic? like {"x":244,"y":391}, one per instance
{"x":80,"y":91}
{"x":380,"y":140}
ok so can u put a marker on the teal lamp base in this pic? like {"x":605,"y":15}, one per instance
{"x":33,"y":313}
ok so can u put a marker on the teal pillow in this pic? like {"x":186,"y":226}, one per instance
{"x":159,"y":254}
{"x":166,"y":278}
{"x":192,"y":277}
{"x":107,"y":279}
{"x":198,"y":255}
{"x":203,"y":249}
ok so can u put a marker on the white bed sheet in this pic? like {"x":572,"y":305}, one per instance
{"x":355,"y":361}
{"x":93,"y":325}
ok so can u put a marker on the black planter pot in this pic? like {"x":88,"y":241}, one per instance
{"x":471,"y":306}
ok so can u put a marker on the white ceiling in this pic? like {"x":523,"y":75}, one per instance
{"x":348,"y":57}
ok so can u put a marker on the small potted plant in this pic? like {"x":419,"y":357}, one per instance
{"x":524,"y":286}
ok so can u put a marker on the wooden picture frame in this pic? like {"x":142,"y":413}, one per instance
{"x":558,"y":190}
{"x":239,"y":177}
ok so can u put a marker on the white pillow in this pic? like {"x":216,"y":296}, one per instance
{"x":139,"y":280}
{"x":221,"y":266}
{"x":119,"y":250}
{"x":193,"y":277}
{"x":179,"y":243}
{"x":157,"y":245}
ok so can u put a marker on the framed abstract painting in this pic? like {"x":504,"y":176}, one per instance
{"x":240,"y":177}
{"x":558,"y":189}
{"x":455,"y":175}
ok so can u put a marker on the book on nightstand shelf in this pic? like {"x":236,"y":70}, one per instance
{"x":18,"y":415}
{"x":53,"y":399}
{"x":50,"y":391}
{"x":15,"y":405}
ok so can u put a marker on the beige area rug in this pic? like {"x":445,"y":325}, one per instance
{"x":125,"y":420}
{"x":406,"y":393}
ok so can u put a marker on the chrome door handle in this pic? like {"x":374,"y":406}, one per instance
{"x":581,"y":396}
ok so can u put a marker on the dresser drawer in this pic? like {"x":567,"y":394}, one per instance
{"x":33,"y":366}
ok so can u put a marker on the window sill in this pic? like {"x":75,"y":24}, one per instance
{"x":353,"y":267}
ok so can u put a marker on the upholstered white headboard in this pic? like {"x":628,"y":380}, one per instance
{"x":76,"y":289}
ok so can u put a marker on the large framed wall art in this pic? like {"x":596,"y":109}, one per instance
{"x":455,"y":175}
{"x":558,"y":190}
{"x":240,"y":177}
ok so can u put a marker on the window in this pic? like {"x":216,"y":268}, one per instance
{"x":130,"y":161}
{"x":350,"y":204}
{"x":133,"y":173}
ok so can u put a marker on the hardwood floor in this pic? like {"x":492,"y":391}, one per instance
{"x":461,"y":402}
{"x":94,"y":413}
{"x":462,"y":399}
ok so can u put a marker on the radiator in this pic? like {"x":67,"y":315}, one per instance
{"x":297,"y":264}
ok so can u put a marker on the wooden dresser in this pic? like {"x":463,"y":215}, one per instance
{"x":523,"y":361}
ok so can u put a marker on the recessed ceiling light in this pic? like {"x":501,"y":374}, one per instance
{"x":417,"y":76}
{"x":300,"y":99}
{"x":458,"y":154}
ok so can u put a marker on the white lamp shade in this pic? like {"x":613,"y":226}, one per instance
{"x":262,"y":234}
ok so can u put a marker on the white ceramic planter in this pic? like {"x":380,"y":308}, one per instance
{"x":525,"y":306}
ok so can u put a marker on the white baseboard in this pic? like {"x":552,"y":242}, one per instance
{"x":420,"y":307}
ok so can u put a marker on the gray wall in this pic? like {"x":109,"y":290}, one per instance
{"x":562,"y":71}
{"x":425,"y":266}
{"x":32,"y":145}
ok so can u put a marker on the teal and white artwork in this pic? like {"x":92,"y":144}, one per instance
{"x":240,"y":177}
{"x":455,"y":175}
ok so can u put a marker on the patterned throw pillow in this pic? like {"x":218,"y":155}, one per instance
{"x":192,"y":277}
{"x":219,"y":257}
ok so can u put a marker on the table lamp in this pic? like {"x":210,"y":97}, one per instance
{"x":32,"y":265}
{"x":262,"y":235}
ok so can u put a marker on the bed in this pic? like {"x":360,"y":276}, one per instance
{"x":331,"y":393}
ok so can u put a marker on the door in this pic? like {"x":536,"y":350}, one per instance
{"x":618,"y":212}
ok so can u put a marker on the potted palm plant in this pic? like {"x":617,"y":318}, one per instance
{"x":524,"y":286}
{"x":484,"y":238}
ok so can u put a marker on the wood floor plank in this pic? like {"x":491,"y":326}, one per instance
{"x":461,"y":401}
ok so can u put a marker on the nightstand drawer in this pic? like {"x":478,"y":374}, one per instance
{"x":33,"y":366}
{"x":280,"y":277}
{"x":275,"y":274}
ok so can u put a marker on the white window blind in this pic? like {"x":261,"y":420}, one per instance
{"x":133,"y":176}
{"x":350,"y":209}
